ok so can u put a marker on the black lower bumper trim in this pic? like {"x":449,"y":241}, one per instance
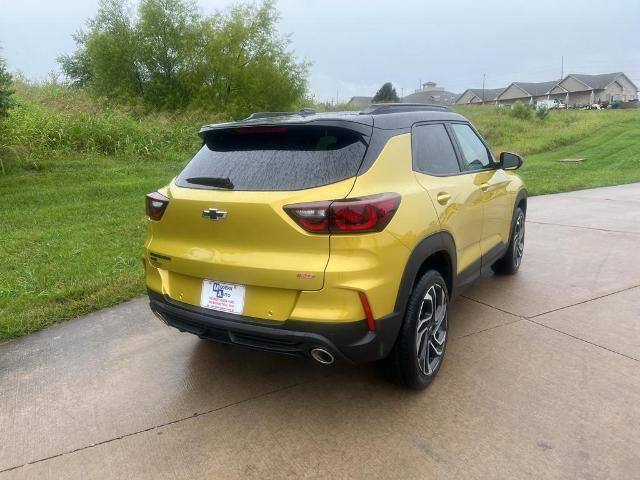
{"x":351,"y":342}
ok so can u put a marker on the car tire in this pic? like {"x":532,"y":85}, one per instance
{"x":510,"y":263}
{"x":419,"y":350}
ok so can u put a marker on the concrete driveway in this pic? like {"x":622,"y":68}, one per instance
{"x":541,"y":380}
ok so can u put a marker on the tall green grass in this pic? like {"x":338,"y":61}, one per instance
{"x":51,"y":122}
{"x":560,"y":128}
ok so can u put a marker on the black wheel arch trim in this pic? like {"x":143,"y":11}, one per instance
{"x":521,"y":195}
{"x":437,"y":242}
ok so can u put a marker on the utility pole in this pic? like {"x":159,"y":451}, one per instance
{"x":484,"y":77}
{"x":337,"y":95}
{"x":562,"y":68}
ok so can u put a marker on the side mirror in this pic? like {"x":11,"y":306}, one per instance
{"x":510,"y":161}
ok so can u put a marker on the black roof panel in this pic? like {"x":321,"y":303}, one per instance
{"x":384,"y":116}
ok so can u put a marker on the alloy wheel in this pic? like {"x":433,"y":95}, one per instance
{"x":518,"y":240}
{"x":431,"y":332}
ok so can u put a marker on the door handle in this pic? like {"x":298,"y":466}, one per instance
{"x":485,"y":187}
{"x":443,"y":198}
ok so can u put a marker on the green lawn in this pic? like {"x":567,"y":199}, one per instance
{"x":71,"y":234}
{"x":72,"y":239}
{"x":612,"y":157}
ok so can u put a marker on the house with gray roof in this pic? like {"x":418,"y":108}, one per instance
{"x":526,"y":92}
{"x":360,"y":101}
{"x":431,"y":93}
{"x":574,"y":90}
{"x":478,"y":96}
{"x":442,"y":97}
{"x":578,"y":89}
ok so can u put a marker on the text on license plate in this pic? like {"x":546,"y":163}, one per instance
{"x":224,"y":297}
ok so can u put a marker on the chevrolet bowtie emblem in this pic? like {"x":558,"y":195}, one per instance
{"x":214,"y":214}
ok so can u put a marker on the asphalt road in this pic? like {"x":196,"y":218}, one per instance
{"x":541,"y":380}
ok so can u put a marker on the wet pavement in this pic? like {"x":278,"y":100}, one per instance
{"x":541,"y":380}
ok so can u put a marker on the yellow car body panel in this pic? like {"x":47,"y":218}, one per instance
{"x":258,"y":246}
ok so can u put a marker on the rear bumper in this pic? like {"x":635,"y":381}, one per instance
{"x":351,"y":341}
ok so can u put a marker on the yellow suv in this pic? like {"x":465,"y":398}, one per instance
{"x":334,"y":236}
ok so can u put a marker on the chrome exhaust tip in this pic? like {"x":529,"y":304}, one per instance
{"x":322,"y":356}
{"x":160,"y":316}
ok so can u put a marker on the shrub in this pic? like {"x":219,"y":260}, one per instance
{"x":521,"y":111}
{"x":542,"y":112}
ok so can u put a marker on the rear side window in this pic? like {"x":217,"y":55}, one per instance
{"x":274,"y":158}
{"x":433,"y":151}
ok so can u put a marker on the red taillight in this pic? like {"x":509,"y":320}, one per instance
{"x":156,"y":204}
{"x":359,"y":215}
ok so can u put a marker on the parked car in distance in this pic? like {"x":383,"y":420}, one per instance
{"x":334,"y":236}
{"x":550,"y":104}
{"x":546,"y":104}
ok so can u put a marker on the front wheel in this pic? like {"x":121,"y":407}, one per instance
{"x":510,"y":263}
{"x":419,"y":350}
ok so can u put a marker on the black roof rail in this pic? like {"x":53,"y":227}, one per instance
{"x":381,"y":108}
{"x":258,"y":115}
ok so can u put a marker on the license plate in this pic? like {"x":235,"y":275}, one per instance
{"x":223,"y":297}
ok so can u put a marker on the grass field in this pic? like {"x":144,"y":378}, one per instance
{"x":71,"y":239}
{"x":72,"y":219}
{"x":611,"y":157}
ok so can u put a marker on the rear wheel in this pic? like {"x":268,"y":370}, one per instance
{"x":419,"y":350}
{"x":510,"y":263}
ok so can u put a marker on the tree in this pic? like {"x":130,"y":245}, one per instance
{"x":170,"y":56}
{"x":386,"y":94}
{"x":6,"y":89}
{"x":76,"y":67}
{"x":246,"y":65}
{"x":169,"y":37}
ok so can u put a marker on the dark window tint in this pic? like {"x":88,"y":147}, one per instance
{"x":433,"y":151}
{"x":274,"y":158}
{"x":476,"y":155}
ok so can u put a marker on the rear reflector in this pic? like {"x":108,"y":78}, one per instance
{"x":358,"y":215}
{"x":371,"y":323}
{"x":156,"y":203}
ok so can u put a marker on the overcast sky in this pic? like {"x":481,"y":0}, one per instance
{"x":356,"y":45}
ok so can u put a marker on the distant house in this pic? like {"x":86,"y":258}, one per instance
{"x":479,"y":95}
{"x":573,"y":90}
{"x":360,"y":101}
{"x":526,"y":92}
{"x":578,"y":89}
{"x":431,"y":93}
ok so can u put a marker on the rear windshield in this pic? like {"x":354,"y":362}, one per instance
{"x":274,"y":158}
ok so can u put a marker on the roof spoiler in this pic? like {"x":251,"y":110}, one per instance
{"x":258,"y":115}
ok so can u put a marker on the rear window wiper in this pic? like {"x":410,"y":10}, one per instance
{"x":219,"y":182}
